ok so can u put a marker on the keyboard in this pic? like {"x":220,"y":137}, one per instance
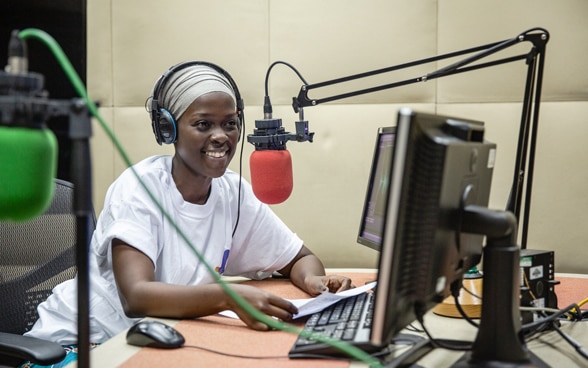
{"x":348,"y":320}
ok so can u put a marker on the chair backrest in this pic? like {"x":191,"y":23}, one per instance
{"x":35,"y":256}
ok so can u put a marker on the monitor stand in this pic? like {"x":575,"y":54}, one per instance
{"x":532,"y":361}
{"x":500,"y":341}
{"x":410,"y":357}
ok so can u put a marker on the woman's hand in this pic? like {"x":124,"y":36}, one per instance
{"x":265,"y":302}
{"x":308,"y":273}
{"x":316,"y":285}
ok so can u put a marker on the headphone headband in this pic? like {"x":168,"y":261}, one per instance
{"x":163,"y":121}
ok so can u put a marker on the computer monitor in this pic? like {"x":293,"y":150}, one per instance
{"x":439,"y":166}
{"x":436,"y":221}
{"x":374,"y":208}
{"x":434,"y":226}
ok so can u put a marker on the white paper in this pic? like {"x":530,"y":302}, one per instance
{"x":317,"y":304}
{"x":324,"y":300}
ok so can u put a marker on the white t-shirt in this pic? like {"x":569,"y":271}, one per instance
{"x":262,"y":244}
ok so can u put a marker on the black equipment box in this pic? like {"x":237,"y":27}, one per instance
{"x":537,"y":282}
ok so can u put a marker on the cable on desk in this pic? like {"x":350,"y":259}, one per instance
{"x":470,"y":292}
{"x":539,"y":309}
{"x":576,"y":345}
{"x":381,"y":353}
{"x":555,"y":325}
{"x":540,"y":325}
{"x":455,"y":289}
{"x":571,"y":312}
{"x":236,"y":355}
{"x":571,"y":315}
{"x":578,"y":312}
{"x":413,"y":328}
{"x":551,"y":322}
{"x":454,"y":345}
{"x":463,"y":313}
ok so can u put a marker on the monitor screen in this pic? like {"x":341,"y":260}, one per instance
{"x":374,"y":208}
{"x":440,"y":165}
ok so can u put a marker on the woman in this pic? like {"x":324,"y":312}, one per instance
{"x":141,"y":266}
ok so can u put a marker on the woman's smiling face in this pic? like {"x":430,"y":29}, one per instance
{"x":208,"y":132}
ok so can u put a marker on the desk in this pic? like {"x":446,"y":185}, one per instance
{"x":230,"y":335}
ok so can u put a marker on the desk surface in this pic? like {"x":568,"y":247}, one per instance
{"x":232,"y":336}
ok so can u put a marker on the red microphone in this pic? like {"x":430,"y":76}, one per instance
{"x":271,"y":175}
{"x":271,"y":164}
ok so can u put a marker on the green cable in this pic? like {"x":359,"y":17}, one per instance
{"x":269,"y":321}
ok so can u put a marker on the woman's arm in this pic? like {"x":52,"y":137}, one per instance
{"x":308,"y":273}
{"x":142,"y":295}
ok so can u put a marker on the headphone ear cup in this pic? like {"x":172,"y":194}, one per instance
{"x":167,"y":127}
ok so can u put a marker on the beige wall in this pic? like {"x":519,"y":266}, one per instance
{"x":131,"y":42}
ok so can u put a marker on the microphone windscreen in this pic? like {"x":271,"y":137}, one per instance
{"x":28,"y":165}
{"x":271,"y":175}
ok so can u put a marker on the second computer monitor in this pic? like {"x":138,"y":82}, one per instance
{"x":374,"y":209}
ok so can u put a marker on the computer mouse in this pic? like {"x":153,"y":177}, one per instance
{"x":154,"y":334}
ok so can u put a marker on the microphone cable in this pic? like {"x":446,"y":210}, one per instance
{"x":78,"y":85}
{"x":267,"y":105}
{"x":267,"y":74}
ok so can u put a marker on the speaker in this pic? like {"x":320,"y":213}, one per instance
{"x":163,"y":121}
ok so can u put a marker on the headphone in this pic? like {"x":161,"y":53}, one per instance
{"x":163,"y":121}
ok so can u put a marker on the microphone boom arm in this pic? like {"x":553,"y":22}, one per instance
{"x":538,"y":40}
{"x":535,"y":59}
